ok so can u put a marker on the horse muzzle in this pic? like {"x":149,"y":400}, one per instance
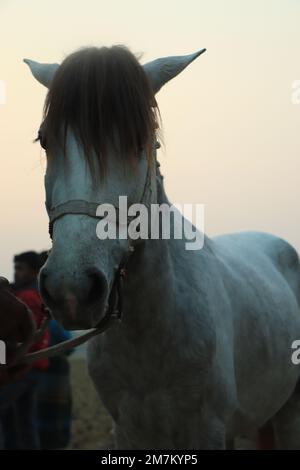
{"x":76,"y":301}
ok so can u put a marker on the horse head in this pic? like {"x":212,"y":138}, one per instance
{"x":99,"y":129}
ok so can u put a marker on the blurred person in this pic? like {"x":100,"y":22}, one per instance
{"x":27,"y":266}
{"x":55,"y":395}
{"x":16,"y":326}
{"x":18,"y":400}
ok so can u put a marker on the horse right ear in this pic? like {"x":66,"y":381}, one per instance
{"x":160,"y":71}
{"x":42,"y":72}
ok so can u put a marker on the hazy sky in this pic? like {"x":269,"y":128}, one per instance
{"x":231,"y":131}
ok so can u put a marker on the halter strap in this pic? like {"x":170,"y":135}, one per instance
{"x":83,"y":207}
{"x":76,"y":207}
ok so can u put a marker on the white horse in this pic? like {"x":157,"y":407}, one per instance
{"x":203,"y":351}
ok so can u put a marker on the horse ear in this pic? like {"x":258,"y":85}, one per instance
{"x":42,"y":72}
{"x":160,"y":71}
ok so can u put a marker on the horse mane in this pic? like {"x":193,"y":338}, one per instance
{"x":102,"y":93}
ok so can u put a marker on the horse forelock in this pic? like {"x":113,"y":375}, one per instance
{"x":101,"y":93}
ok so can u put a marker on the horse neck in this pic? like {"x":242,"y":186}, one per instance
{"x":149,"y":275}
{"x":152,"y":304}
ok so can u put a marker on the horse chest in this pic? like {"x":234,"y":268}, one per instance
{"x":147,"y":381}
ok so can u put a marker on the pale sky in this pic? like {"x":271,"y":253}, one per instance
{"x":231,"y":131}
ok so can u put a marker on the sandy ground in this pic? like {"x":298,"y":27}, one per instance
{"x":91,"y":425}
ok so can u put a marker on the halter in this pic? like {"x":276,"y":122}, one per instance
{"x":114,"y":311}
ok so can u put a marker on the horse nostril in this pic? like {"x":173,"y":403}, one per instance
{"x":86,"y":289}
{"x":98,"y":286}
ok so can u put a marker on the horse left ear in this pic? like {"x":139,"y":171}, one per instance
{"x":42,"y":72}
{"x":160,"y":71}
